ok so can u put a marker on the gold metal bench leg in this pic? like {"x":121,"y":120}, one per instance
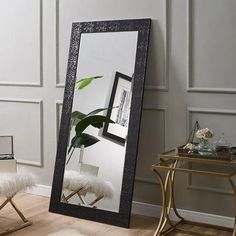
{"x":63,"y":198}
{"x":83,"y":201}
{"x":17,"y":210}
{"x":17,"y":227}
{"x":95,"y":201}
{"x":4,"y":203}
{"x":73,"y":193}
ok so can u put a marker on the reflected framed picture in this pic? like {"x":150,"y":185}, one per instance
{"x":120,"y":101}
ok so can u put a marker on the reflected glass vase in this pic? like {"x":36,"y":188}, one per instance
{"x":205,"y":147}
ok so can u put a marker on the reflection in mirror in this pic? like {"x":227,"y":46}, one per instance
{"x":99,"y":131}
{"x":94,"y":170}
{"x":120,"y":99}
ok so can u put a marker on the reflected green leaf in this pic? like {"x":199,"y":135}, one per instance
{"x":100,"y":110}
{"x":76,"y":117}
{"x":83,"y":139}
{"x":96,"y":120}
{"x":82,"y":83}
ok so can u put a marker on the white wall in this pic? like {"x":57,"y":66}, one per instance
{"x":27,"y":83}
{"x":200,"y":86}
{"x":194,"y":78}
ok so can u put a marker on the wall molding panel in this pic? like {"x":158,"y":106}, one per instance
{"x":39,"y":103}
{"x":58,"y":115}
{"x":165,"y":86}
{"x":146,"y":180}
{"x":58,"y":84}
{"x":163,"y":109}
{"x":191,"y":110}
{"x":190,"y":85}
{"x":40,"y":80}
{"x":157,"y":108}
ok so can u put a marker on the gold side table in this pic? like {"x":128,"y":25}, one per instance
{"x":170,"y":163}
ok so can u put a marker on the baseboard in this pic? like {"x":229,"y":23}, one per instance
{"x":41,"y":190}
{"x":155,"y":210}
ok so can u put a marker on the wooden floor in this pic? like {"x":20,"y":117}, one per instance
{"x":35,"y":209}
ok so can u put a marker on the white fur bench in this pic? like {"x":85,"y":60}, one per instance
{"x":81,"y":184}
{"x":10,"y":185}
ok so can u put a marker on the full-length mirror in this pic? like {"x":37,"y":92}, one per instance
{"x":98,"y":140}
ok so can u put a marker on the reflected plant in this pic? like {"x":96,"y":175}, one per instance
{"x":82,"y":121}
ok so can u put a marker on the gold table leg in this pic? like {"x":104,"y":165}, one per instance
{"x":168,"y":204}
{"x":167,"y":189}
{"x":234,"y":192}
{"x":163,"y":211}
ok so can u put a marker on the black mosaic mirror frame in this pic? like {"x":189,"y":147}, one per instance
{"x":122,"y":218}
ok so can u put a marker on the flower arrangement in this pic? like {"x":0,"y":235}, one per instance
{"x":204,"y":134}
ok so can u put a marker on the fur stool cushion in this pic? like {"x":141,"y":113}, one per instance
{"x":11,"y":183}
{"x":73,"y":180}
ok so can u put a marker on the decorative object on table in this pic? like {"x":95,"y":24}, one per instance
{"x":191,"y":145}
{"x":205,"y":147}
{"x":223,"y":148}
{"x":192,"y":135}
{"x":6,"y":147}
{"x":7,"y":160}
{"x":8,"y":166}
{"x":12,"y":182}
{"x":121,"y":98}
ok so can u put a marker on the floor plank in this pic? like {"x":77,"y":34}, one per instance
{"x":35,"y":208}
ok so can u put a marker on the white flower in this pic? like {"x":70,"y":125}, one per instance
{"x":204,"y":133}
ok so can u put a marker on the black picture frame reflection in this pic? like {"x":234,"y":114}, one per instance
{"x":121,"y":100}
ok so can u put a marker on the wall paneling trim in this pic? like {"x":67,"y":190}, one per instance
{"x":190,"y":39}
{"x":39,"y":83}
{"x":38,"y":161}
{"x":213,"y":112}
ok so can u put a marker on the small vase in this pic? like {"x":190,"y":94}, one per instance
{"x":205,"y":148}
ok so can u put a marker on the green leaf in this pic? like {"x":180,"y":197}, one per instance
{"x":76,"y":117}
{"x":79,"y":140}
{"x":98,"y":125}
{"x":96,"y":120}
{"x":80,"y":84}
{"x":100,"y":110}
{"x":83,"y":139}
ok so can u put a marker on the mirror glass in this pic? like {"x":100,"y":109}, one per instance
{"x":99,"y":131}
{"x":111,"y":56}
